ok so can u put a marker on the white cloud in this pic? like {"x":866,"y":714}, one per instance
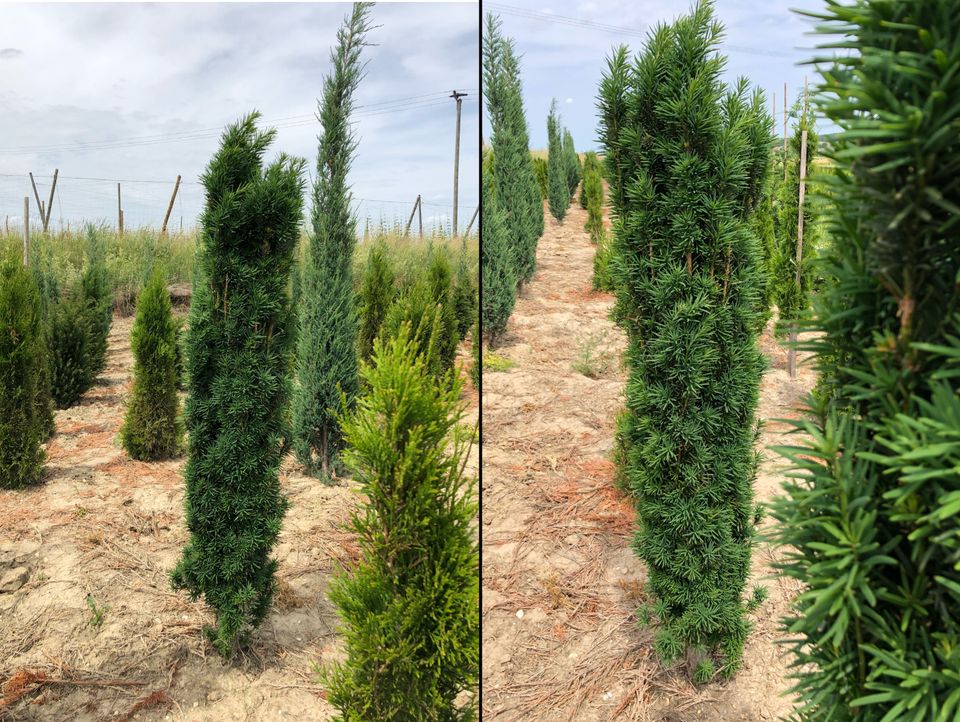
{"x":568,"y":101}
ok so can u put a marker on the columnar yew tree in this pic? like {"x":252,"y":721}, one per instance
{"x":152,"y":428}
{"x":497,"y":272}
{"x":327,"y":347}
{"x":792,"y":299}
{"x":513,"y":171}
{"x":871,"y":517}
{"x":23,"y":421}
{"x":239,"y":347}
{"x":688,"y":157}
{"x":558,"y":188}
{"x":410,"y":607}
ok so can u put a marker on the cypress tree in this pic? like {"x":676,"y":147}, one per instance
{"x":571,"y":161}
{"x":558,"y":188}
{"x":377,"y":292}
{"x":871,"y":512}
{"x":410,"y":607}
{"x":69,"y":333}
{"x":497,"y":272}
{"x":23,"y":421}
{"x":514,"y":175}
{"x":590,"y":162}
{"x":464,"y":295}
{"x":689,"y":156}
{"x":439,"y":278}
{"x":239,"y":346}
{"x":792,"y":299}
{"x":96,"y":294}
{"x":540,"y":170}
{"x":593,"y":195}
{"x":152,"y":429}
{"x":327,"y":348}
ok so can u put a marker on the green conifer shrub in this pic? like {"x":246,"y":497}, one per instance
{"x":513,"y":172}
{"x":410,"y":608}
{"x":70,"y":330}
{"x":418,"y":309}
{"x":96,"y":293}
{"x":871,"y":512}
{"x":688,"y":157}
{"x":496,"y":268}
{"x":152,"y":428}
{"x":464,"y":295}
{"x":540,"y":169}
{"x":602,"y":271}
{"x":239,"y":347}
{"x":590,"y":163}
{"x":327,"y":346}
{"x":378,"y":290}
{"x":593,"y":192}
{"x":23,"y":421}
{"x":440,"y":279}
{"x":558,"y":189}
{"x":793,"y":300}
{"x":571,"y":161}
{"x":48,"y":287}
{"x":476,"y":348}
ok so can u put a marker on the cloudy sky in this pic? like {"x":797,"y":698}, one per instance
{"x":139,"y":92}
{"x":565,"y":43}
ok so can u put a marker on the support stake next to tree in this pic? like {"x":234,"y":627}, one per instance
{"x":792,"y":353}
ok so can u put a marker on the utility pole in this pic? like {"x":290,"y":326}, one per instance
{"x":456,"y":160}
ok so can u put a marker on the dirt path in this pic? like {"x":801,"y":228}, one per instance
{"x":561,"y":582}
{"x":111,"y":528}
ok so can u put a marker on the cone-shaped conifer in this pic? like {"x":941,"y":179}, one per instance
{"x":239,"y":347}
{"x":693,"y":155}
{"x":497,"y":271}
{"x":327,"y":347}
{"x":410,"y":607}
{"x":571,"y":161}
{"x":377,"y":292}
{"x":153,"y":429}
{"x":464,"y":295}
{"x":558,"y":182}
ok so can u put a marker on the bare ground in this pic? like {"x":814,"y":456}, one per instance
{"x":560,"y":581}
{"x":102,"y":533}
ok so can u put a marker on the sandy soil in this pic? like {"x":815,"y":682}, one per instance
{"x":560,"y":581}
{"x":108,"y":529}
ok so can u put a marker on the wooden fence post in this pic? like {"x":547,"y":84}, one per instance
{"x":472,"y":219}
{"x":792,"y":352}
{"x":166,"y":218}
{"x":416,"y":204}
{"x":53,"y":188}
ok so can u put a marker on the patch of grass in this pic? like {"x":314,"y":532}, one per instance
{"x":494,"y":363}
{"x":96,"y":612}
{"x":594,"y":360}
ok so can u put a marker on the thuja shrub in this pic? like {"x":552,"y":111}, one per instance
{"x":793,"y":299}
{"x":418,"y":312}
{"x":378,"y":290}
{"x":871,"y":513}
{"x":440,"y":280}
{"x":692,"y":155}
{"x":496,"y":270}
{"x":327,"y":344}
{"x":513,"y":172}
{"x":558,"y":189}
{"x":410,"y":607}
{"x":593,"y":193}
{"x":540,"y":169}
{"x":23,"y":421}
{"x":590,"y":162}
{"x":463,"y":295}
{"x":152,"y":428}
{"x":70,"y":330}
{"x":571,"y":161}
{"x":239,"y":346}
{"x":96,"y":294}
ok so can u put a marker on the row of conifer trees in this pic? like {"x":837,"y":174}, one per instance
{"x":871,"y":511}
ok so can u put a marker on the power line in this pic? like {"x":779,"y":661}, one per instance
{"x":605,"y":27}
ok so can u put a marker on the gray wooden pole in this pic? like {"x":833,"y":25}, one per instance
{"x":792,"y":353}
{"x":456,"y":160}
{"x":166,"y":218}
{"x":472,"y":219}
{"x":26,"y":231}
{"x":416,"y":204}
{"x":53,"y":189}
{"x":420,"y":216}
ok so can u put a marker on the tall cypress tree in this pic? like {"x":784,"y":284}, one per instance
{"x":152,"y":428}
{"x":327,"y":347}
{"x":690,"y":156}
{"x":514,"y":174}
{"x":23,"y":421}
{"x":239,"y":347}
{"x":411,"y":606}
{"x":572,"y":162}
{"x":497,"y":272}
{"x":871,"y":514}
{"x":558,"y":182}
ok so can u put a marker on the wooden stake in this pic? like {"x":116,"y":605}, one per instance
{"x":26,"y":231}
{"x":119,"y":212}
{"x":37,"y":196}
{"x":53,"y":188}
{"x":472,"y":219}
{"x":792,"y":353}
{"x":420,"y":217}
{"x":176,"y":187}
{"x":416,"y":204}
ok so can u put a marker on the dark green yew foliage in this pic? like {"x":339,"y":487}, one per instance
{"x":540,"y":169}
{"x":327,"y":345}
{"x":23,"y":420}
{"x":410,"y":607}
{"x":870,"y":519}
{"x":687,"y":157}
{"x":378,"y":290}
{"x":558,"y":188}
{"x":497,"y":271}
{"x":791,"y":299}
{"x":464,"y":295}
{"x":513,"y":172}
{"x":239,"y":347}
{"x":571,"y":161}
{"x":152,"y":428}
